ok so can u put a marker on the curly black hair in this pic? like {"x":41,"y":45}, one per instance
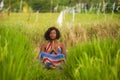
{"x":47,"y":33}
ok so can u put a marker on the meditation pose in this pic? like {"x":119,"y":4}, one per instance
{"x":52,"y":52}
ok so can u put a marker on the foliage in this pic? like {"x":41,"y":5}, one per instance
{"x":48,"y":5}
{"x":97,"y":58}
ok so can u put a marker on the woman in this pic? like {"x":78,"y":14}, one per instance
{"x":52,"y":52}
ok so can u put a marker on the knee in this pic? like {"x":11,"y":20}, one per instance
{"x":42,"y":54}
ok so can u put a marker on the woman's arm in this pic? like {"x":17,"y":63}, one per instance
{"x":42,"y":49}
{"x":63,"y":48}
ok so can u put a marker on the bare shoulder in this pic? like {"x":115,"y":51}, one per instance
{"x":44,"y":43}
{"x":43,"y":46}
{"x":61,"y":44}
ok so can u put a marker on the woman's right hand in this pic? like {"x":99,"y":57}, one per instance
{"x":53,"y":47}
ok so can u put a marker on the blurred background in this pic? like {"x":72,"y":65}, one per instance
{"x":90,"y":30}
{"x":80,"y":6}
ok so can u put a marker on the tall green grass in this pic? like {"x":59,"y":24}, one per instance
{"x":96,"y":60}
{"x":15,"y":53}
{"x":93,"y":47}
{"x":83,"y":29}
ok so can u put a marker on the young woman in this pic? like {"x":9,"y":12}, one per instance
{"x":52,"y":52}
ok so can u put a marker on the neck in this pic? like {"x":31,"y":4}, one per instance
{"x":53,"y":40}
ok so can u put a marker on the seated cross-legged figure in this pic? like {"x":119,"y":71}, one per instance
{"x":52,"y":52}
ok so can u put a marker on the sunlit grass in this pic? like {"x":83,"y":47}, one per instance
{"x":93,"y":51}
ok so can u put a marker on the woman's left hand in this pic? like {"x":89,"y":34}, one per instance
{"x":53,"y":47}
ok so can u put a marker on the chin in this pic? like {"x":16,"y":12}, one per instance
{"x":53,"y":39}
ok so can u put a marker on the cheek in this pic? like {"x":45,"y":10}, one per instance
{"x":53,"y":35}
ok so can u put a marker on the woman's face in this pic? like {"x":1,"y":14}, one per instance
{"x":53,"y":35}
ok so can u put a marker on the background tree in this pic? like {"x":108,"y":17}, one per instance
{"x":48,"y":5}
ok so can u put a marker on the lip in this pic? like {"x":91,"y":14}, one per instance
{"x":52,"y":37}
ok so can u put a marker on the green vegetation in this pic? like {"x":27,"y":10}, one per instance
{"x":15,"y":53}
{"x":93,"y":51}
{"x":49,"y":5}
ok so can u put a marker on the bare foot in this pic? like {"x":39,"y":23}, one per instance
{"x":52,"y":67}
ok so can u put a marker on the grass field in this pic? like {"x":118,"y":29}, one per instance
{"x":92,"y":41}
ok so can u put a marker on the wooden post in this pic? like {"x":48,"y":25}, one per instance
{"x":20,"y":5}
{"x":9,"y":8}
